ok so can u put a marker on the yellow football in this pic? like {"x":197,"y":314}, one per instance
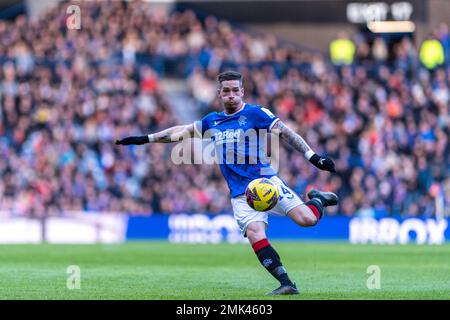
{"x":262,"y":194}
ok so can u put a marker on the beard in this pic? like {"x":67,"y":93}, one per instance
{"x":232,"y":103}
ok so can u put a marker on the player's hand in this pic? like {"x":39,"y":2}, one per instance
{"x":133,"y":140}
{"x":322,"y":163}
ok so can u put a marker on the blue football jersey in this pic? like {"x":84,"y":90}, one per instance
{"x":240,"y":141}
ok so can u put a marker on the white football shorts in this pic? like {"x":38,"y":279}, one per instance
{"x":244,"y":214}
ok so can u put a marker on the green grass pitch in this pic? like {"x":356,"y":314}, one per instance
{"x":159,"y":270}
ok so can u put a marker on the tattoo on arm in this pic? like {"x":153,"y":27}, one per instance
{"x":174,"y":134}
{"x":163,"y":137}
{"x":290,"y":137}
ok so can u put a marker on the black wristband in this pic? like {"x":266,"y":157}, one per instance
{"x":146,"y":139}
{"x":314,"y":159}
{"x":136,"y":140}
{"x":142,"y":140}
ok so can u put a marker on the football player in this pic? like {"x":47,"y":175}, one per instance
{"x":228,"y":128}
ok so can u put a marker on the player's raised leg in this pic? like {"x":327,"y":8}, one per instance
{"x":269,"y":258}
{"x":309,"y":213}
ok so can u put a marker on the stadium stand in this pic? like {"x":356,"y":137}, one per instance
{"x":385,"y":121}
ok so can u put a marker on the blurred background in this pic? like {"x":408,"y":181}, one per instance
{"x":366,"y":82}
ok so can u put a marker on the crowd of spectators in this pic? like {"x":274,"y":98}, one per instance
{"x":66,"y":95}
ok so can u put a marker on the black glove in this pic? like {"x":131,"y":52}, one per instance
{"x":322,"y":163}
{"x":133,"y":140}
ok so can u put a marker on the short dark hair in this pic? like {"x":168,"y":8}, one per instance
{"x":229,"y":75}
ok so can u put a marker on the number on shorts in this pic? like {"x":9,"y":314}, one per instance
{"x":286,"y":193}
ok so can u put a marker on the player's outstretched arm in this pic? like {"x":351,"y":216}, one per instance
{"x":299,"y":144}
{"x":172,"y":134}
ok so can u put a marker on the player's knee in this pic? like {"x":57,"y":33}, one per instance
{"x":309,"y":220}
{"x":255,"y":233}
{"x":303,"y":216}
{"x":255,"y":236}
